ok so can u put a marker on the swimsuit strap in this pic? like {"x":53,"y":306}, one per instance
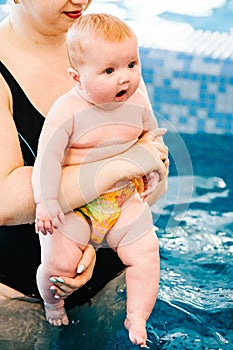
{"x":27,"y":118}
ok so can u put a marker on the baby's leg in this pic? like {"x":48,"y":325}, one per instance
{"x":141,"y":256}
{"x":142,"y":281}
{"x":59,"y":257}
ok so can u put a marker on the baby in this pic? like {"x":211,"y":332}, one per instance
{"x":103,"y":115}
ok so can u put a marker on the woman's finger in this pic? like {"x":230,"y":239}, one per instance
{"x":154,"y":134}
{"x":88,"y":260}
{"x":66,"y":285}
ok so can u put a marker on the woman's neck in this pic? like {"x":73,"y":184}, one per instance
{"x":29,"y":34}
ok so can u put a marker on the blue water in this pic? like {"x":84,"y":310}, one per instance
{"x":194,"y":309}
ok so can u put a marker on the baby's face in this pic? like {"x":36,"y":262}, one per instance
{"x":111,"y":72}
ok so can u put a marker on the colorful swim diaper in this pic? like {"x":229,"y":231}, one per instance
{"x":103,"y":212}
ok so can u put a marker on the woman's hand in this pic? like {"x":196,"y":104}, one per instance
{"x":156,"y":136}
{"x":155,"y":158}
{"x":64,"y":286}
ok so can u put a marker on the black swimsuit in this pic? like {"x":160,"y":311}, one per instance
{"x":19,"y":245}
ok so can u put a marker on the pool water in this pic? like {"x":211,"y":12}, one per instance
{"x":194,"y":307}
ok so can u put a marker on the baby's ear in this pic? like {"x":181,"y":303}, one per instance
{"x":74,"y":75}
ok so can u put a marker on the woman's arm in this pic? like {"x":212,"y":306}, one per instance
{"x":95,"y":178}
{"x":79,"y":184}
{"x":16,"y":200}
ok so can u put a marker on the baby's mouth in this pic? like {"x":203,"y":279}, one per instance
{"x":121,"y":93}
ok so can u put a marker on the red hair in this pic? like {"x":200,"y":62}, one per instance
{"x":103,"y":26}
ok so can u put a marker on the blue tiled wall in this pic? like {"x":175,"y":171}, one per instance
{"x":192,"y":93}
{"x":191,"y":90}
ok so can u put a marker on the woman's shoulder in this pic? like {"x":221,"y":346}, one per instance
{"x":9,"y":52}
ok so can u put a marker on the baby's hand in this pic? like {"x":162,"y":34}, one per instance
{"x":48,"y":216}
{"x":150,"y":182}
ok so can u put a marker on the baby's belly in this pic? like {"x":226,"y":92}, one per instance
{"x":75,"y":155}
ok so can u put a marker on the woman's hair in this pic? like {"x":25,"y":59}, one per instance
{"x":103,"y":26}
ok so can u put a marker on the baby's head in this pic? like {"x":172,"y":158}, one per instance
{"x":101,"y":26}
{"x":102,"y":48}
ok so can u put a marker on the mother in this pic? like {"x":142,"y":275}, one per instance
{"x":33,"y":74}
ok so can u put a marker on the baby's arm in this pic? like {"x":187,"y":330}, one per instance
{"x":46,"y":174}
{"x":48,"y":216}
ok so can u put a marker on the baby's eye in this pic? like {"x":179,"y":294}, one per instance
{"x":109,"y":70}
{"x":131,"y":64}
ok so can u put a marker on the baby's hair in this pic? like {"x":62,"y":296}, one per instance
{"x":104,"y":26}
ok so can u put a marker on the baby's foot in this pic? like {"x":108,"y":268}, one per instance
{"x":137,"y":331}
{"x":56,"y":314}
